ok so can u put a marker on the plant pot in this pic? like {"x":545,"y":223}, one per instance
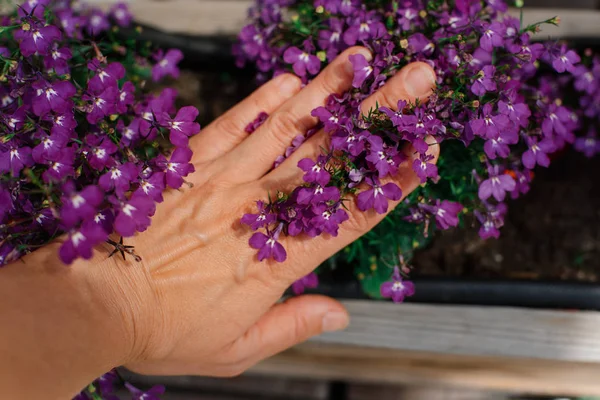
{"x":214,"y":54}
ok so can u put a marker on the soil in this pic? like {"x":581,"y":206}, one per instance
{"x":552,"y":233}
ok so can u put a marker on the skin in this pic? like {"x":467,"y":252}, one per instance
{"x":199,"y":302}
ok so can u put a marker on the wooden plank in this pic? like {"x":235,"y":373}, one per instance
{"x":208,"y":17}
{"x":377,"y":365}
{"x":471,"y":330}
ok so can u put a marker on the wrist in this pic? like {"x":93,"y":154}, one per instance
{"x":65,"y":325}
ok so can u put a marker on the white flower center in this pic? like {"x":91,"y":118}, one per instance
{"x":128,"y":209}
{"x":77,"y":238}
{"x":77,"y":201}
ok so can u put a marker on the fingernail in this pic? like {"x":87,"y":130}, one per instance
{"x":348,"y":65}
{"x":335,"y":321}
{"x":419,"y":81}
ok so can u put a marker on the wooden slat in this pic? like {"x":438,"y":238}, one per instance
{"x":376,"y":365}
{"x":471,"y":330}
{"x":207,"y":17}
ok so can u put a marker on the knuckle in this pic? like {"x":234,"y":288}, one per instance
{"x":302,"y":329}
{"x":281,"y":126}
{"x":226,"y":124}
{"x":359,"y":222}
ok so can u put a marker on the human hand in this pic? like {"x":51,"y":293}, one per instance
{"x":200,"y":302}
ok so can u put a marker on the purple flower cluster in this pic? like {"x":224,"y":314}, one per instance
{"x":104,"y":388}
{"x":491,"y":98}
{"x":84,"y":151}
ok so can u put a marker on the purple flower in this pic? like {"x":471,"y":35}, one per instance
{"x":328,"y":219}
{"x":177,"y":167}
{"x":100,"y":151}
{"x":418,"y":43}
{"x":484,"y":81}
{"x":386,"y":160}
{"x":55,"y":96}
{"x":318,"y":194}
{"x":564,"y":59}
{"x":377,"y":197}
{"x":268,"y":246}
{"x":515,"y":109}
{"x":36,"y":38}
{"x":33,"y":7}
{"x":397,"y":117}
{"x":496,"y":185}
{"x":257,"y":122}
{"x":445,"y":212}
{"x":366,"y":26}
{"x":352,"y":142}
{"x":105,"y":75}
{"x":134,"y":215}
{"x":263,"y":218}
{"x":98,"y":23}
{"x":166,"y":65}
{"x":557,"y":120}
{"x":13,"y":159}
{"x":424,"y":169}
{"x":102,"y":102}
{"x":50,"y":146}
{"x":588,"y":145}
{"x":315,"y":172}
{"x":498,"y":146}
{"x":60,"y":165}
{"x":537,"y":153}
{"x":302,"y":61}
{"x":153,"y":186}
{"x":80,"y":242}
{"x":490,"y":126}
{"x":126,"y":97}
{"x":120,"y":13}
{"x":119,"y":178}
{"x":152,"y":394}
{"x":182,"y":126}
{"x":309,"y":281}
{"x":106,"y":382}
{"x":397,"y":288}
{"x":58,"y":59}
{"x":492,"y":36}
{"x":82,"y":205}
{"x":362,"y":69}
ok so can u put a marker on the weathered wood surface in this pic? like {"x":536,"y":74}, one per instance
{"x":377,"y":365}
{"x":208,"y":17}
{"x":476,"y":331}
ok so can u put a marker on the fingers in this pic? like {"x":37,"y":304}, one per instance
{"x":415,"y":81}
{"x":287,"y":324}
{"x":227,"y":131}
{"x":359,"y":223}
{"x":255,"y":156}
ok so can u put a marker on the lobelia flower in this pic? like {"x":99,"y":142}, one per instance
{"x":327,"y":219}
{"x":515,"y":109}
{"x":81,"y":242}
{"x":363,"y":27}
{"x":153,"y":186}
{"x":362,"y":69}
{"x":489,"y":125}
{"x":330,"y":39}
{"x":268,"y":246}
{"x":302,"y":62}
{"x":182,"y":126}
{"x":133,"y":215}
{"x":315,"y":172}
{"x":105,"y":75}
{"x":119,"y":178}
{"x":263,"y":218}
{"x":166,"y":65}
{"x":33,"y":7}
{"x":498,"y":146}
{"x":352,"y":142}
{"x":97,"y":23}
{"x":60,"y":165}
{"x":256,"y":123}
{"x":496,"y":185}
{"x":36,"y":38}
{"x":588,"y":145}
{"x":385,"y":159}
{"x":58,"y":59}
{"x":102,"y":102}
{"x":484,"y":81}
{"x":557,"y":121}
{"x":151,"y":394}
{"x":121,"y":15}
{"x":423,"y":168}
{"x":309,"y":281}
{"x":62,"y":124}
{"x":55,"y":96}
{"x":397,"y":289}
{"x":564,"y":59}
{"x":49,"y":147}
{"x":126,"y":97}
{"x":177,"y":167}
{"x":537,"y":153}
{"x":318,"y":194}
{"x":79,"y":205}
{"x":493,"y":36}
{"x":377,"y":197}
{"x":100,"y":151}
{"x":14,"y":158}
{"x":445,"y":212}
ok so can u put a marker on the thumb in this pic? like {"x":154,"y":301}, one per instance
{"x":289,"y":323}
